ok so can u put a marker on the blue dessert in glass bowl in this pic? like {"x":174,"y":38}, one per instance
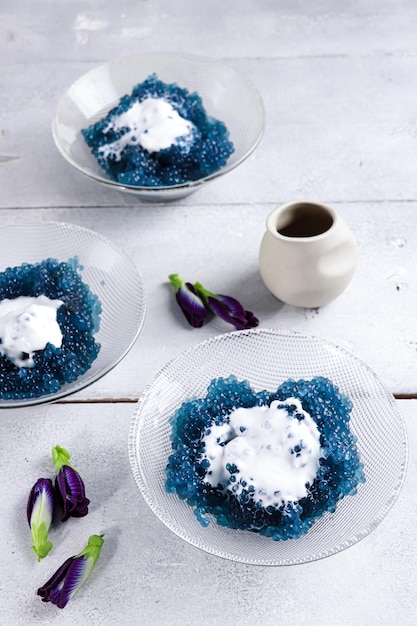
{"x":268,"y":462}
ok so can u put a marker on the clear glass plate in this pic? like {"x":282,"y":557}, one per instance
{"x":226,"y":93}
{"x":108,"y":272}
{"x":266,"y":358}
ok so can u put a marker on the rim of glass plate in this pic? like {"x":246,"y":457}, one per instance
{"x":167,"y":521}
{"x":183,"y":186}
{"x":80,"y":384}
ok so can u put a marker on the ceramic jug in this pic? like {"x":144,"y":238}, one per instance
{"x":308,"y":254}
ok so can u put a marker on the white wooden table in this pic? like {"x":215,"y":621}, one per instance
{"x":337,"y":81}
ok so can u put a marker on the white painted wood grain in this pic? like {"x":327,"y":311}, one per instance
{"x":219,"y":245}
{"x":96,"y":30}
{"x":338,"y":128}
{"x":147,"y":575}
{"x":337,"y":82}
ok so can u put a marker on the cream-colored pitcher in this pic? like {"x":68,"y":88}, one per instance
{"x":308,"y":254}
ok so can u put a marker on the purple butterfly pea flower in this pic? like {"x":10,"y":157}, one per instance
{"x":40,"y":512}
{"x":189,"y":301}
{"x":69,"y":486}
{"x":227,"y":308}
{"x":67,"y":580}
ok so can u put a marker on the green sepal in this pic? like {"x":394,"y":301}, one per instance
{"x":41,"y":545}
{"x":93,"y":547}
{"x":176,"y":281}
{"x":60,"y":457}
{"x":204,"y":293}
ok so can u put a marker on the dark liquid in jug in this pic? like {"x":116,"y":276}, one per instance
{"x":304,"y":220}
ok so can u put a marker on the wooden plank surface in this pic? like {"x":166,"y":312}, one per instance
{"x":219,"y":245}
{"x":147,"y":575}
{"x":337,"y":84}
{"x":338,"y":129}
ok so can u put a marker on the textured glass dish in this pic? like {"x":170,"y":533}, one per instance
{"x":108,"y":273}
{"x":266,"y":358}
{"x":226,"y":93}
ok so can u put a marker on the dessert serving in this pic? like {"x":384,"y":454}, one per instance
{"x":159,"y":135}
{"x":48,"y":318}
{"x":328,"y":415}
{"x":268,"y":462}
{"x":158,"y":125}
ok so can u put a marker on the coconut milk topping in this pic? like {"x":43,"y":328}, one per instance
{"x":153,"y":123}
{"x":276,"y":451}
{"x":28,"y":324}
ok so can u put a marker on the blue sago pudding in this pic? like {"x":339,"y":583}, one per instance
{"x":268,"y":462}
{"x":159,"y":136}
{"x":48,"y":318}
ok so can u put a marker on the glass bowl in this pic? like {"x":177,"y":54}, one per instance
{"x":226,"y":93}
{"x":266,"y":358}
{"x":109,"y":274}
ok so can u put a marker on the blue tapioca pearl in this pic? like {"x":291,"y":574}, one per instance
{"x":222,"y":520}
{"x":200,"y":514}
{"x":201,"y":472}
